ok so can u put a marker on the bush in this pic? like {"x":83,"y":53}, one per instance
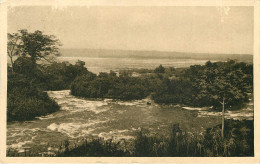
{"x":61,"y":75}
{"x":25,"y":100}
{"x":208,"y":85}
{"x":81,"y":85}
{"x":159,"y":69}
{"x":94,"y":148}
{"x":238,"y":141}
{"x":108,"y":85}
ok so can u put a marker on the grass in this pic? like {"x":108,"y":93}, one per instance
{"x":238,"y":141}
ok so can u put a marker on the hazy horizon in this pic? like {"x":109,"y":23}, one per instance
{"x":211,"y":29}
{"x":146,"y":50}
{"x":155,"y":55}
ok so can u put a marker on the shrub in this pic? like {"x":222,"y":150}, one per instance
{"x":94,"y":148}
{"x":25,"y":100}
{"x":159,"y":69}
{"x":208,"y":85}
{"x":61,"y":75}
{"x":238,"y":141}
{"x":109,"y":85}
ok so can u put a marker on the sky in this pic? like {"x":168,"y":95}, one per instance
{"x":181,"y":29}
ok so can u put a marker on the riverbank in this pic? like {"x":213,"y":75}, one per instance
{"x":81,"y":118}
{"x":25,"y":102}
{"x":179,"y":143}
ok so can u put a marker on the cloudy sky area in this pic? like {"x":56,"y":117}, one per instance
{"x":183,"y":29}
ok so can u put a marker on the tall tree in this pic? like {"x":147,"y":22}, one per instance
{"x":224,"y":85}
{"x":36,"y":45}
{"x":14,"y":42}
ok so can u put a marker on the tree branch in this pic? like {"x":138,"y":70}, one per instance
{"x":47,"y":60}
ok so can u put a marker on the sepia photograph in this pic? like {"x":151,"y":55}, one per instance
{"x":129,"y":81}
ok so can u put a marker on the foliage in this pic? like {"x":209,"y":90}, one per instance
{"x":207,"y":85}
{"x":108,"y":85}
{"x":137,"y":70}
{"x":239,"y":141}
{"x":196,"y":86}
{"x":14,"y":41}
{"x":94,"y":148}
{"x":222,"y":80}
{"x":32,"y":71}
{"x":80,"y":86}
{"x":61,"y":75}
{"x":36,"y":45}
{"x":28,"y":80}
{"x":55,"y":76}
{"x":159,"y":69}
{"x":25,"y":101}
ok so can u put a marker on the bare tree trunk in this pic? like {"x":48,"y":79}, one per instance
{"x":223,"y":117}
{"x":12,"y":66}
{"x":12,"y":63}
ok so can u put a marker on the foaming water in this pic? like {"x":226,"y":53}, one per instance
{"x":244,"y":113}
{"x":74,"y":130}
{"x":73,"y":104}
{"x":81,"y":118}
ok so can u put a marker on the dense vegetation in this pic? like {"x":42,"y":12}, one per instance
{"x":109,"y":85}
{"x":25,"y":100}
{"x":198,"y":85}
{"x":207,"y":85}
{"x":27,"y":79}
{"x":220,"y":85}
{"x":27,"y":82}
{"x":238,"y":141}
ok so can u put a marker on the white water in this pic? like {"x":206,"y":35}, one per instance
{"x":118,"y":120}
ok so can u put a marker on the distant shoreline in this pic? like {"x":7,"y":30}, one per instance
{"x":107,"y":53}
{"x":121,"y":50}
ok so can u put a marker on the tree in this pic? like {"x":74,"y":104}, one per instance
{"x":25,"y":66}
{"x":159,"y":69}
{"x":80,"y":63}
{"x":14,"y":42}
{"x":224,"y":83}
{"x":36,"y":45}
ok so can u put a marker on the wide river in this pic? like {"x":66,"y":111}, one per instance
{"x":98,"y":64}
{"x":81,"y":118}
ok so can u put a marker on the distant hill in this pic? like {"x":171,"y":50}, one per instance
{"x":106,"y":53}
